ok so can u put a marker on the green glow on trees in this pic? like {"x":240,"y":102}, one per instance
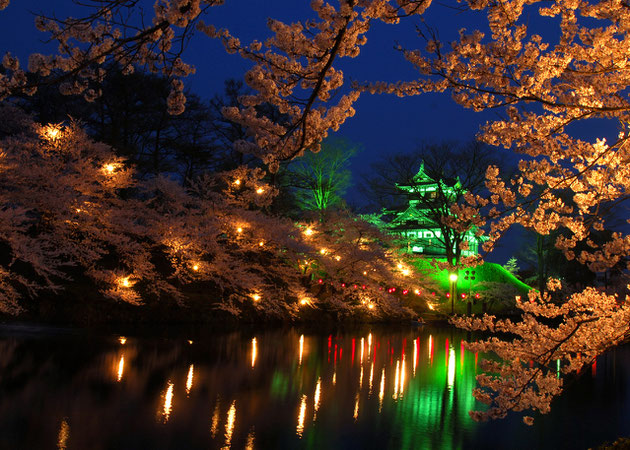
{"x":320,"y":179}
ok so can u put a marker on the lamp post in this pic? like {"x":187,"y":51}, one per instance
{"x":452,"y":278}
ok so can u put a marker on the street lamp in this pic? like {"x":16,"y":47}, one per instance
{"x":452,"y":278}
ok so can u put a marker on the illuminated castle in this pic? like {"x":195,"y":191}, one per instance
{"x":429,"y":199}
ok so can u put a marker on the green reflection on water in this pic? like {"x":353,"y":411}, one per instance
{"x":279,"y":385}
{"x":372,"y":382}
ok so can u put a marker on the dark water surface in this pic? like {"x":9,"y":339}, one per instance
{"x":377,"y":388}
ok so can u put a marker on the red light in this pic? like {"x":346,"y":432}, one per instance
{"x":363,"y":286}
{"x":393,"y":289}
{"x":380,"y":288}
{"x":433,"y":294}
{"x":463,"y":295}
{"x":320,"y":281}
{"x":448,"y":295}
{"x":405,"y":291}
{"x":355,"y":286}
{"x":343,"y":284}
{"x":477,"y":296}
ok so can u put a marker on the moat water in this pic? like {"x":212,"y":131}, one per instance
{"x":369,"y":388}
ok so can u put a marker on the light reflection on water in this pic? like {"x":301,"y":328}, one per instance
{"x":378,"y":388}
{"x":121,"y":367}
{"x":189,"y":379}
{"x":215,"y":421}
{"x":168,"y":402}
{"x":301,"y":416}
{"x":318,"y":391}
{"x":229,"y":425}
{"x":64,"y":433}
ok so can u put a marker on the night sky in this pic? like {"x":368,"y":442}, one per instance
{"x":383,"y":123}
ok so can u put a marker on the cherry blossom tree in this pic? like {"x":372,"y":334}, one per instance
{"x":60,"y":210}
{"x":272,"y":265}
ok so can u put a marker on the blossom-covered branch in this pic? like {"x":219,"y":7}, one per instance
{"x":550,"y":340}
{"x":115,"y":30}
{"x":294,"y":71}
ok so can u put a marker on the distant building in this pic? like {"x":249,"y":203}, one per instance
{"x":416,"y":223}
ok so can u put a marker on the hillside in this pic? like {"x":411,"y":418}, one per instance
{"x":485,"y":273}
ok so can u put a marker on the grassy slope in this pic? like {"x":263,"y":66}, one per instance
{"x":488,"y":272}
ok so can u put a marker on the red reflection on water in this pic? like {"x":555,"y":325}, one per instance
{"x":446,"y":353}
{"x":329,"y":345}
